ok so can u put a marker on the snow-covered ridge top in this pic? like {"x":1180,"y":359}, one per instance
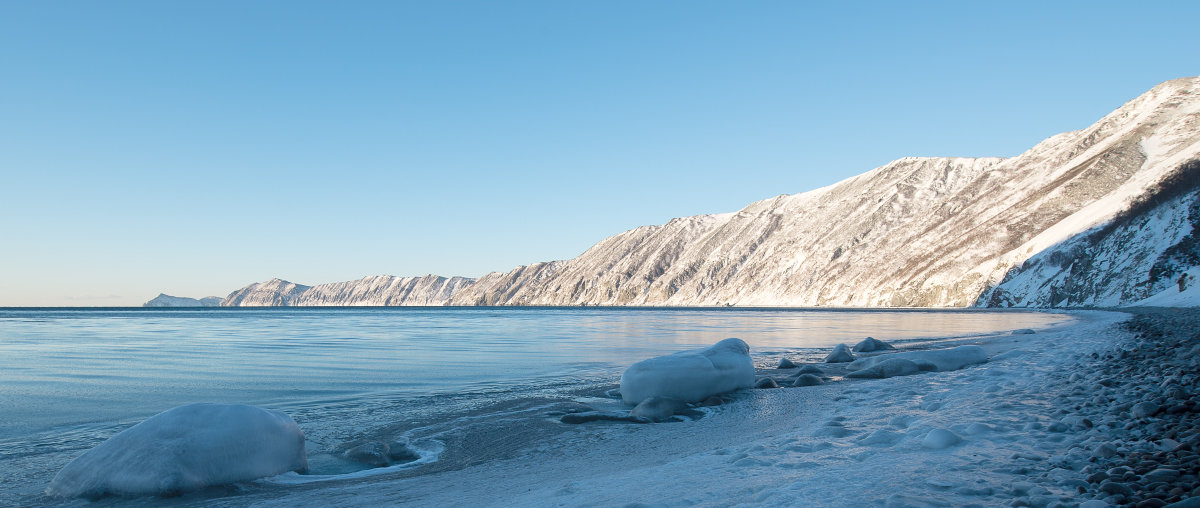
{"x":918,"y":231}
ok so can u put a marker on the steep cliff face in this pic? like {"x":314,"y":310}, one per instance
{"x":1149,"y":254}
{"x":925,"y":232}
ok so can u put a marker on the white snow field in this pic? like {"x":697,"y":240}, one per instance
{"x":984,"y":435}
{"x":690,"y":376}
{"x":186,"y":448}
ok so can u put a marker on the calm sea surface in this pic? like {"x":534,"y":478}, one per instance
{"x":70,"y":378}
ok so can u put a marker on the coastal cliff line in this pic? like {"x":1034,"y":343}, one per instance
{"x":1103,"y":216}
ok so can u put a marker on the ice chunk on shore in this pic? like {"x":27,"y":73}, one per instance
{"x":658,"y":408}
{"x":690,"y":376}
{"x":943,"y":359}
{"x":890,"y":367}
{"x":870,"y":345}
{"x":807,"y":380}
{"x":186,"y":448}
{"x":840,"y":354}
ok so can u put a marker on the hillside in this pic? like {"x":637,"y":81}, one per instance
{"x":917,"y":232}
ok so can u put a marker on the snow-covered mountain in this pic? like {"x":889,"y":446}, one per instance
{"x":1099,"y":216}
{"x":380,"y":290}
{"x":165,"y":300}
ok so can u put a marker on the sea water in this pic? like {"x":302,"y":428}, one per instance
{"x":461,"y":385}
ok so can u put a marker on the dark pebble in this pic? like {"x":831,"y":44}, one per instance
{"x":1116,"y":488}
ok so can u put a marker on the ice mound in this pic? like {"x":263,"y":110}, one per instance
{"x":658,"y":408}
{"x":186,"y":448}
{"x":765,"y":383}
{"x":870,"y":345}
{"x":890,"y":367}
{"x":840,"y":354}
{"x":938,"y":439}
{"x":943,"y":359}
{"x":807,"y":380}
{"x":690,"y":376}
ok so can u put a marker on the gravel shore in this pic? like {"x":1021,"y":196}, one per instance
{"x":1142,"y":394}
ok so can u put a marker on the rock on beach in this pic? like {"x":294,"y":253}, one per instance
{"x":840,"y":354}
{"x":1132,"y":410}
{"x":871,"y":344}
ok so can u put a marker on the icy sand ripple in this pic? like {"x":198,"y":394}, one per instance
{"x":1045,"y":422}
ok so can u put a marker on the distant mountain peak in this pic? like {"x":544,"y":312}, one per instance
{"x":165,"y":300}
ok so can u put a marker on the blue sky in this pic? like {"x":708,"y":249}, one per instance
{"x":195,"y":147}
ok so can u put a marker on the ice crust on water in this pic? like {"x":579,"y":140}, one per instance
{"x":186,"y":448}
{"x":690,"y":376}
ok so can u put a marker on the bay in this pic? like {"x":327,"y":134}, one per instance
{"x":70,"y":378}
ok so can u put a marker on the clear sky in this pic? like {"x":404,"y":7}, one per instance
{"x":195,"y":147}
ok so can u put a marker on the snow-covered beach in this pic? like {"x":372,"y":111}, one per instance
{"x":1082,"y":414}
{"x":1093,"y":409}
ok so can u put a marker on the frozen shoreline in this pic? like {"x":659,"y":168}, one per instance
{"x":851,"y":443}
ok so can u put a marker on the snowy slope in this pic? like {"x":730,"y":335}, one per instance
{"x":926,"y":232}
{"x":1148,"y":255}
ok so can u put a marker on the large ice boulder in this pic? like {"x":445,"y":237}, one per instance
{"x":942,"y":359}
{"x":690,"y":376}
{"x":186,"y":448}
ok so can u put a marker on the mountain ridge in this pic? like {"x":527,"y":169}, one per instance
{"x":916,"y":232}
